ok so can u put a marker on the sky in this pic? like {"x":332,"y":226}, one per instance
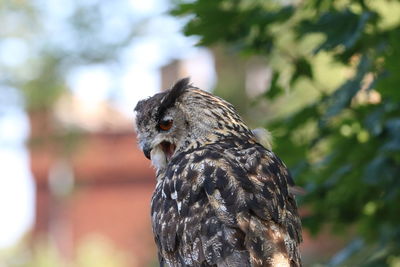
{"x":16,"y":186}
{"x":138,"y":79}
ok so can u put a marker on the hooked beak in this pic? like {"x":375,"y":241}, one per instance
{"x":147,"y":150}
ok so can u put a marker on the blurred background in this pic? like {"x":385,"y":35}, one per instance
{"x":321,"y":75}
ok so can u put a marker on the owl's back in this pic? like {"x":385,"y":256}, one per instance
{"x":226,"y":204}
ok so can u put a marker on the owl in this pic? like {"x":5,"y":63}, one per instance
{"x":221,"y":198}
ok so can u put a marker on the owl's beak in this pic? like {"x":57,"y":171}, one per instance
{"x":168,"y":149}
{"x":147,"y":150}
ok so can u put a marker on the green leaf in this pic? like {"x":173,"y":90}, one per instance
{"x":373,"y":122}
{"x":275,"y":89}
{"x":337,"y":175}
{"x":340,"y":28}
{"x":376,"y":171}
{"x":243,"y":26}
{"x":342,"y":97}
{"x":393,"y":128}
{"x":389,"y":82}
{"x":302,"y":69}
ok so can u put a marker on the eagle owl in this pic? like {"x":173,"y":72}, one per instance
{"x":221,"y":198}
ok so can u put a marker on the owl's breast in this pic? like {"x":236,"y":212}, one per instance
{"x":179,"y":209}
{"x":188,"y":227}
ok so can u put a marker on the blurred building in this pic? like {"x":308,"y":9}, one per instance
{"x":91,"y":179}
{"x":200,"y":67}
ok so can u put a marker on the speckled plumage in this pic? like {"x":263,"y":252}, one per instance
{"x":221,"y":198}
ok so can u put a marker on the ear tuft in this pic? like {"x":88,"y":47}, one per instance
{"x":171,"y":97}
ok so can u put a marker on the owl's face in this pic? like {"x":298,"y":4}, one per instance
{"x":161,"y":125}
{"x":160,"y":137}
{"x":183,"y":118}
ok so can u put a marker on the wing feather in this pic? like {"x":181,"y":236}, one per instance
{"x":230,"y":209}
{"x":256,"y":200}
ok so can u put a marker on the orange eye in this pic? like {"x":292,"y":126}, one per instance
{"x":165,"y":125}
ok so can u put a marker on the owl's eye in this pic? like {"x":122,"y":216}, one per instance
{"x":165,"y":125}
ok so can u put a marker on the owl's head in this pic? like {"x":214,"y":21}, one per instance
{"x":183,"y":118}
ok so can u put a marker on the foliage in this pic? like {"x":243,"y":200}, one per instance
{"x":343,"y":144}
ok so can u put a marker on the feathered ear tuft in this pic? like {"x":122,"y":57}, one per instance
{"x":171,"y":97}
